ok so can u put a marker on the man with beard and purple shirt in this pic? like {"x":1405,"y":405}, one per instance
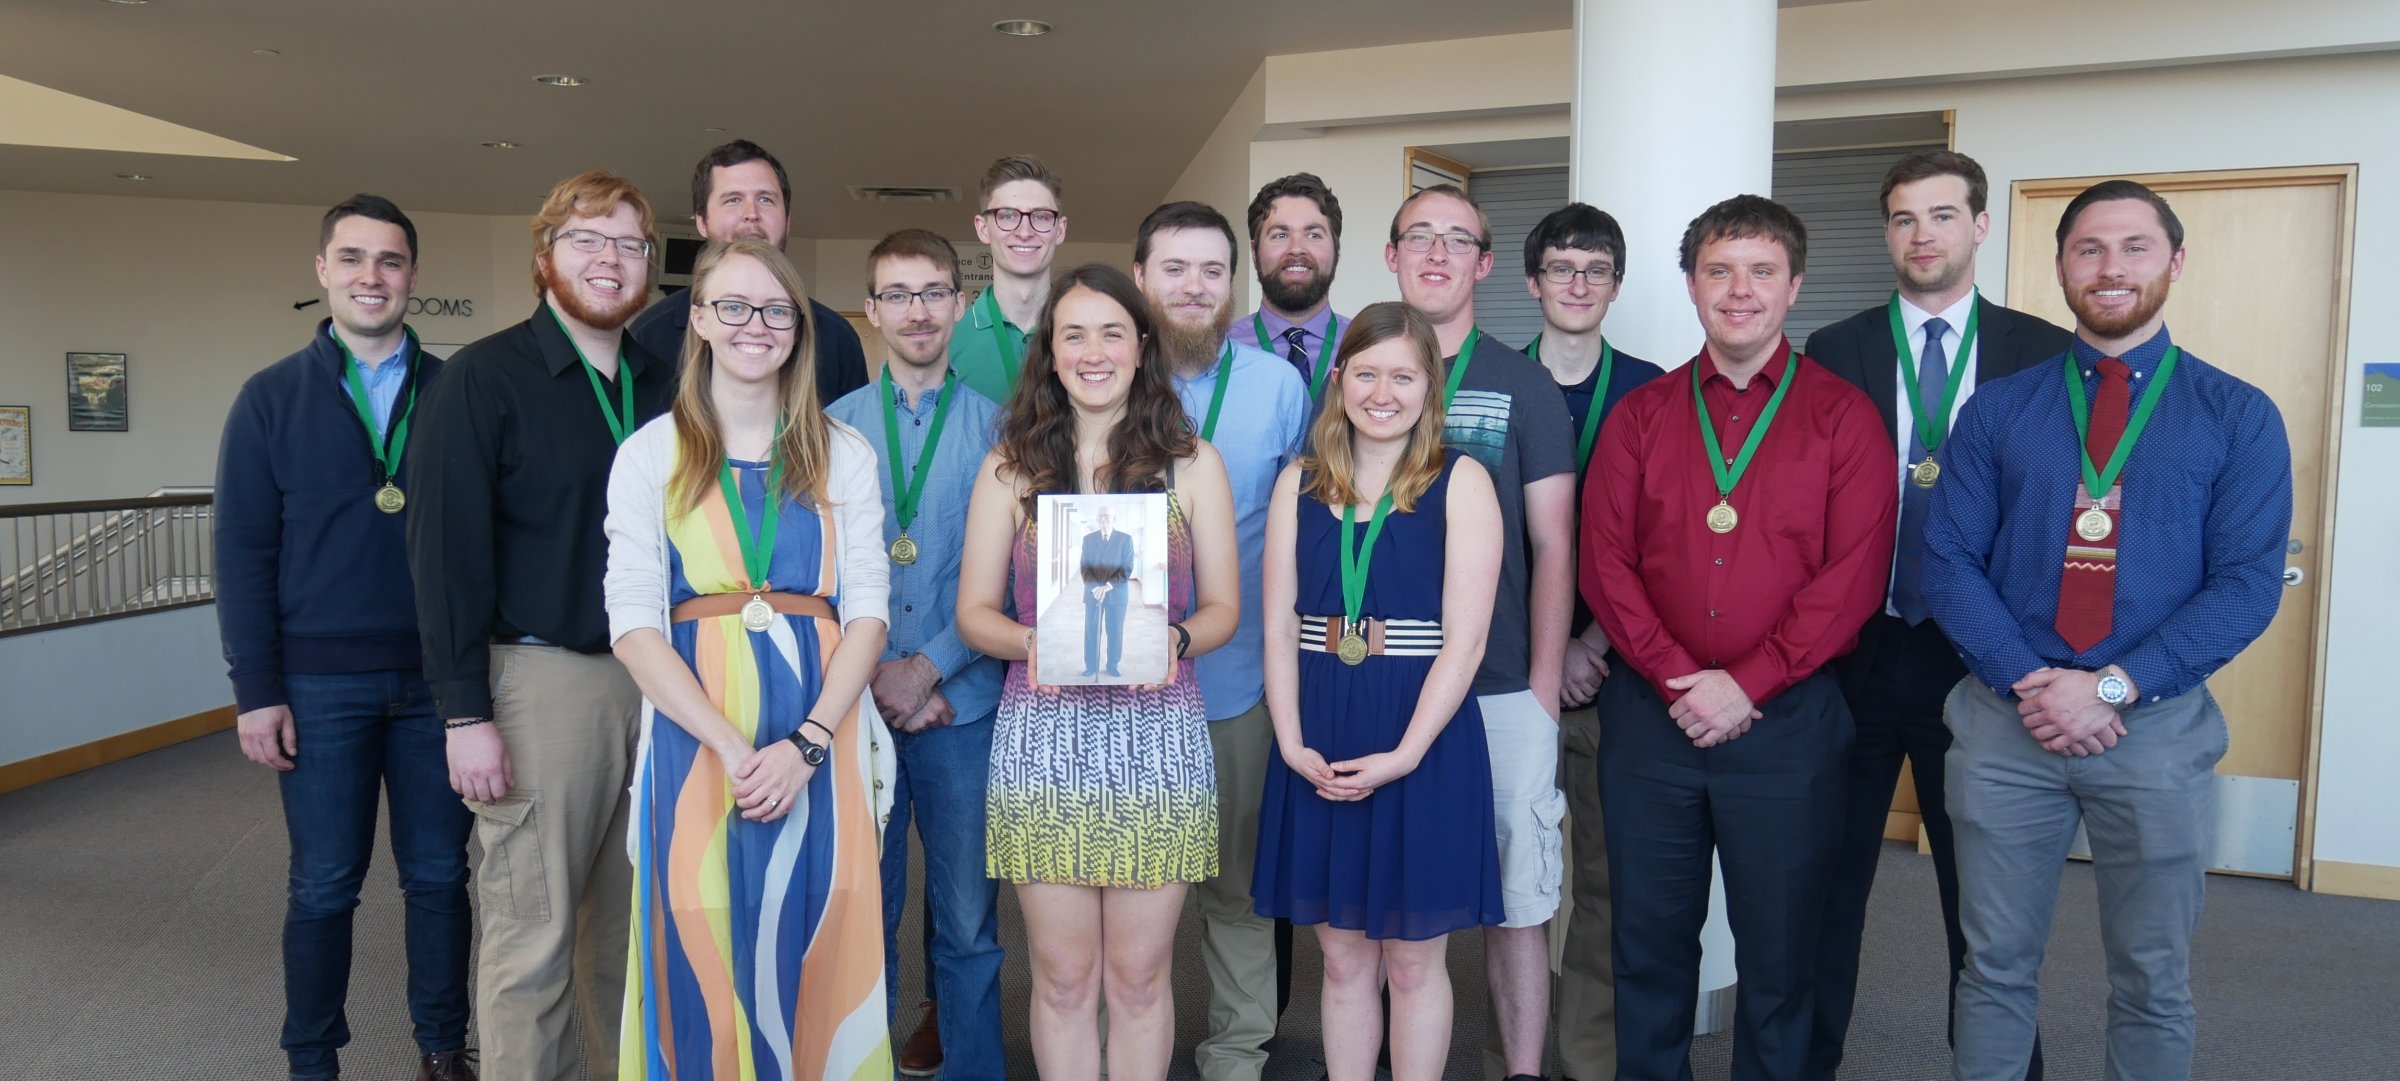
{"x":1296,"y":238}
{"x":511,"y":463}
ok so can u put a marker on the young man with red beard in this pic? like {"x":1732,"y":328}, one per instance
{"x":506,"y":545}
{"x":2107,"y":532}
{"x":1296,"y":240}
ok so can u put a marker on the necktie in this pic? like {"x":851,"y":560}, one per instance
{"x":1908,"y":562}
{"x":1295,"y":353}
{"x":2087,"y":585}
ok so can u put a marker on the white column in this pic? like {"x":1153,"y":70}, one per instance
{"x":1674,"y":110}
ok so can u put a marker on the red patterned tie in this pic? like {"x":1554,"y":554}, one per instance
{"x":2087,"y":586}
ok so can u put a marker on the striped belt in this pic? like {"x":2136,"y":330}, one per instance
{"x":728,"y":604}
{"x":1385,"y":637}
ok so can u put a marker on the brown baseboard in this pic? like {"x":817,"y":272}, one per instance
{"x":56,"y":764}
{"x":2357,"y":880}
{"x":1902,"y":826}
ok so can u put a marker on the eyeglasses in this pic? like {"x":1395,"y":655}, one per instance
{"x":898,"y":300}
{"x":1007,"y":217}
{"x":588,"y":242}
{"x":1596,"y":276}
{"x":1455,"y":243}
{"x":735,"y":313}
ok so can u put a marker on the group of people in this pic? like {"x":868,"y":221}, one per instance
{"x":688,"y":614}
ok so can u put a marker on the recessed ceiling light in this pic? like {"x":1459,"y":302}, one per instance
{"x":266,"y":52}
{"x":714,"y":131}
{"x":559,"y":80}
{"x":130,"y":176}
{"x":1022,"y":28}
{"x":129,"y":1}
{"x":502,"y":144}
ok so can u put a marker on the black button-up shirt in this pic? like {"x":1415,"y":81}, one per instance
{"x":511,"y":457}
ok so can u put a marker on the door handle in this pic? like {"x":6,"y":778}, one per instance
{"x":2293,"y":576}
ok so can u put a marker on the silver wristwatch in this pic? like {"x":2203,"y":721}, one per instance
{"x":2114,"y":690}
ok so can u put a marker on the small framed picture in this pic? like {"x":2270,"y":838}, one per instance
{"x":96,"y":392}
{"x":16,"y":444}
{"x":1103,"y":613}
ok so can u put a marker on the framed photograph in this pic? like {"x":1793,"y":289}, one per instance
{"x":96,"y":392}
{"x":1103,"y":567}
{"x":16,"y":444}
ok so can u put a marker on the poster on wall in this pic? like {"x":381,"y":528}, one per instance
{"x":16,"y":444}
{"x":1101,"y":580}
{"x":2379,"y":407}
{"x":96,"y":392}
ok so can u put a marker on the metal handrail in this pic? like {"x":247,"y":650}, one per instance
{"x":84,"y":560}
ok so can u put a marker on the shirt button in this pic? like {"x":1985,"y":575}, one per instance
{"x":1712,"y":613}
{"x":1720,"y":561}
{"x":908,"y":608}
{"x":919,"y":422}
{"x":1737,"y":418}
{"x":879,"y":786}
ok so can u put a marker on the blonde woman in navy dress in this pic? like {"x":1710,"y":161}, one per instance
{"x":1383,"y":554}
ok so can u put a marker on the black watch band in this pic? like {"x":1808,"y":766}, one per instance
{"x":811,"y":751}
{"x":1183,"y":639}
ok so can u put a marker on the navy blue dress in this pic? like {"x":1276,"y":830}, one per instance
{"x":1420,"y":857}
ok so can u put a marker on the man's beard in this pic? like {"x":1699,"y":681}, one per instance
{"x":1947,"y":275}
{"x":2148,"y":298}
{"x":563,"y":294}
{"x":1185,"y":345}
{"x":1292,"y":296}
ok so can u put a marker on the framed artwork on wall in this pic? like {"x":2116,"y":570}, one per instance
{"x":96,"y":392}
{"x":16,"y":444}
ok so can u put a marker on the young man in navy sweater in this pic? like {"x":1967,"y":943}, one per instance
{"x":319,"y":621}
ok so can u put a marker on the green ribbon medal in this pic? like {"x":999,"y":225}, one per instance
{"x":1216,"y":398}
{"x":1591,"y":417}
{"x":1353,"y":648}
{"x":1721,"y":518}
{"x":906,"y":492}
{"x":1458,"y":366}
{"x":1010,"y":347}
{"x":1333,"y":333}
{"x":384,"y":448}
{"x":620,"y":419}
{"x":2094,"y":524}
{"x":1932,"y":427}
{"x":758,"y":547}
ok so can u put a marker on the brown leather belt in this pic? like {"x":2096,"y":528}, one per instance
{"x":730,"y":604}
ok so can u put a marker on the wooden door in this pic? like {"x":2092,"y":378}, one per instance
{"x":2264,"y":295}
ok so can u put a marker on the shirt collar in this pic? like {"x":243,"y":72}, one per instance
{"x":1914,"y":318}
{"x":1772,"y":372}
{"x":335,"y":351}
{"x":1315,"y":325}
{"x":558,"y":350}
{"x":2142,"y":359}
{"x":924,"y":401}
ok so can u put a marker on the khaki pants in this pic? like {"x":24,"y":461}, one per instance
{"x":553,"y":886}
{"x":1583,"y":997}
{"x":1236,"y":943}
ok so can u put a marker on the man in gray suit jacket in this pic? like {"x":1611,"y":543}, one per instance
{"x":1919,"y":356}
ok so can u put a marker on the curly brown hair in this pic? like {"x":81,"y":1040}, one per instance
{"x":1037,"y":436}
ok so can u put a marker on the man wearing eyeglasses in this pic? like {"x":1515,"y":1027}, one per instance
{"x":1505,"y":411}
{"x":1021,"y":221}
{"x":931,"y":432}
{"x":1296,"y":239}
{"x":507,"y":551}
{"x":1574,"y":262}
{"x":740,"y":190}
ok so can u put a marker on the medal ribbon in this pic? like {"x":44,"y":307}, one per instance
{"x":1333,"y":333}
{"x":620,"y":419}
{"x":1216,"y":398}
{"x":1931,"y":427}
{"x":1729,"y":475}
{"x":1012,"y":356}
{"x":755,"y":553}
{"x":905,"y":493}
{"x":1458,"y":367}
{"x":1591,"y":417}
{"x":2099,"y":480}
{"x":384,"y":448}
{"x":1356,"y":558}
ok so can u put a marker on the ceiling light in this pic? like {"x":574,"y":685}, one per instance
{"x":559,"y":80}
{"x":266,"y":52}
{"x":714,"y":131}
{"x":129,"y":1}
{"x":502,"y":144}
{"x":1022,"y":28}
{"x":130,"y":176}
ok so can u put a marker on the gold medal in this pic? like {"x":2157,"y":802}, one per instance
{"x":1721,"y":518}
{"x":2094,"y":525}
{"x":904,"y":550}
{"x":1353,"y":649}
{"x":756,"y":614}
{"x":1926,"y":472}
{"x":389,"y":499}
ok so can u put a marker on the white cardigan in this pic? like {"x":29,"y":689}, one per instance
{"x":637,"y":580}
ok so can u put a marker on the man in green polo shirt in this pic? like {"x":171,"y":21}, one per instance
{"x":1020,"y":219}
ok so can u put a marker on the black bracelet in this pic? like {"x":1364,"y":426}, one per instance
{"x":1183,"y":639}
{"x":820,"y":727}
{"x":468,"y":723}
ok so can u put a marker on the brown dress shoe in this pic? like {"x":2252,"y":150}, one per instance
{"x":921,"y":1056}
{"x":456,"y":1065}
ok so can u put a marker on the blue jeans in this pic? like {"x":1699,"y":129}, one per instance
{"x":362,"y":735}
{"x":943,"y":774}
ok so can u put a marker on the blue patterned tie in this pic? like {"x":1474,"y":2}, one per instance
{"x":1296,"y":353}
{"x":1908,"y":567}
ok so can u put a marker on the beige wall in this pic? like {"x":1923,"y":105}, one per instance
{"x":1219,"y":175}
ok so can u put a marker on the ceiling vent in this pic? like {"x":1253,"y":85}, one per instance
{"x":881,"y":193}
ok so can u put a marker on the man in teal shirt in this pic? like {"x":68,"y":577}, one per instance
{"x":1020,"y":219}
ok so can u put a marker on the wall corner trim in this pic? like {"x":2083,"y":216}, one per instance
{"x":100,"y":752}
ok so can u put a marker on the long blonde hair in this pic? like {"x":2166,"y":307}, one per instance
{"x":1331,"y":469}
{"x":804,"y":447}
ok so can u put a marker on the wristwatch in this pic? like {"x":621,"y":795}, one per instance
{"x":811,"y":752}
{"x":2114,"y":690}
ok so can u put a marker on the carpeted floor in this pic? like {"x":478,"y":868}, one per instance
{"x":140,"y":906}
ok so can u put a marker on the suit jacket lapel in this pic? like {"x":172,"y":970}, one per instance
{"x":1883,"y":373}
{"x":1995,"y":356}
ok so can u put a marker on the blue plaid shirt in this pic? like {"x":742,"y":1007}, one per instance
{"x":2200,"y":552}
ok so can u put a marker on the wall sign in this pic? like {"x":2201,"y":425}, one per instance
{"x":460,"y":307}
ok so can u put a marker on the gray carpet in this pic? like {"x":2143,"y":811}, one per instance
{"x":140,"y":906}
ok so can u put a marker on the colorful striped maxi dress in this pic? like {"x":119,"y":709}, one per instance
{"x":757,"y":948}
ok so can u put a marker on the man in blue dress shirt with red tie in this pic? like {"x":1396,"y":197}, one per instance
{"x":2106,"y":532}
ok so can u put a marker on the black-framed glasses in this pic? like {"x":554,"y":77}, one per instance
{"x":1008,"y":217}
{"x":738,"y":313}
{"x":898,"y":300}
{"x":1595,"y":276}
{"x":589,"y":242}
{"x":1455,"y":243}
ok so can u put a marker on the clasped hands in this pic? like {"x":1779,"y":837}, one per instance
{"x":1713,"y":709}
{"x":2062,"y":709}
{"x":1352,"y":780}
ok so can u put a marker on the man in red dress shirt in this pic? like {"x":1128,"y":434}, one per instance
{"x":1737,"y":531}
